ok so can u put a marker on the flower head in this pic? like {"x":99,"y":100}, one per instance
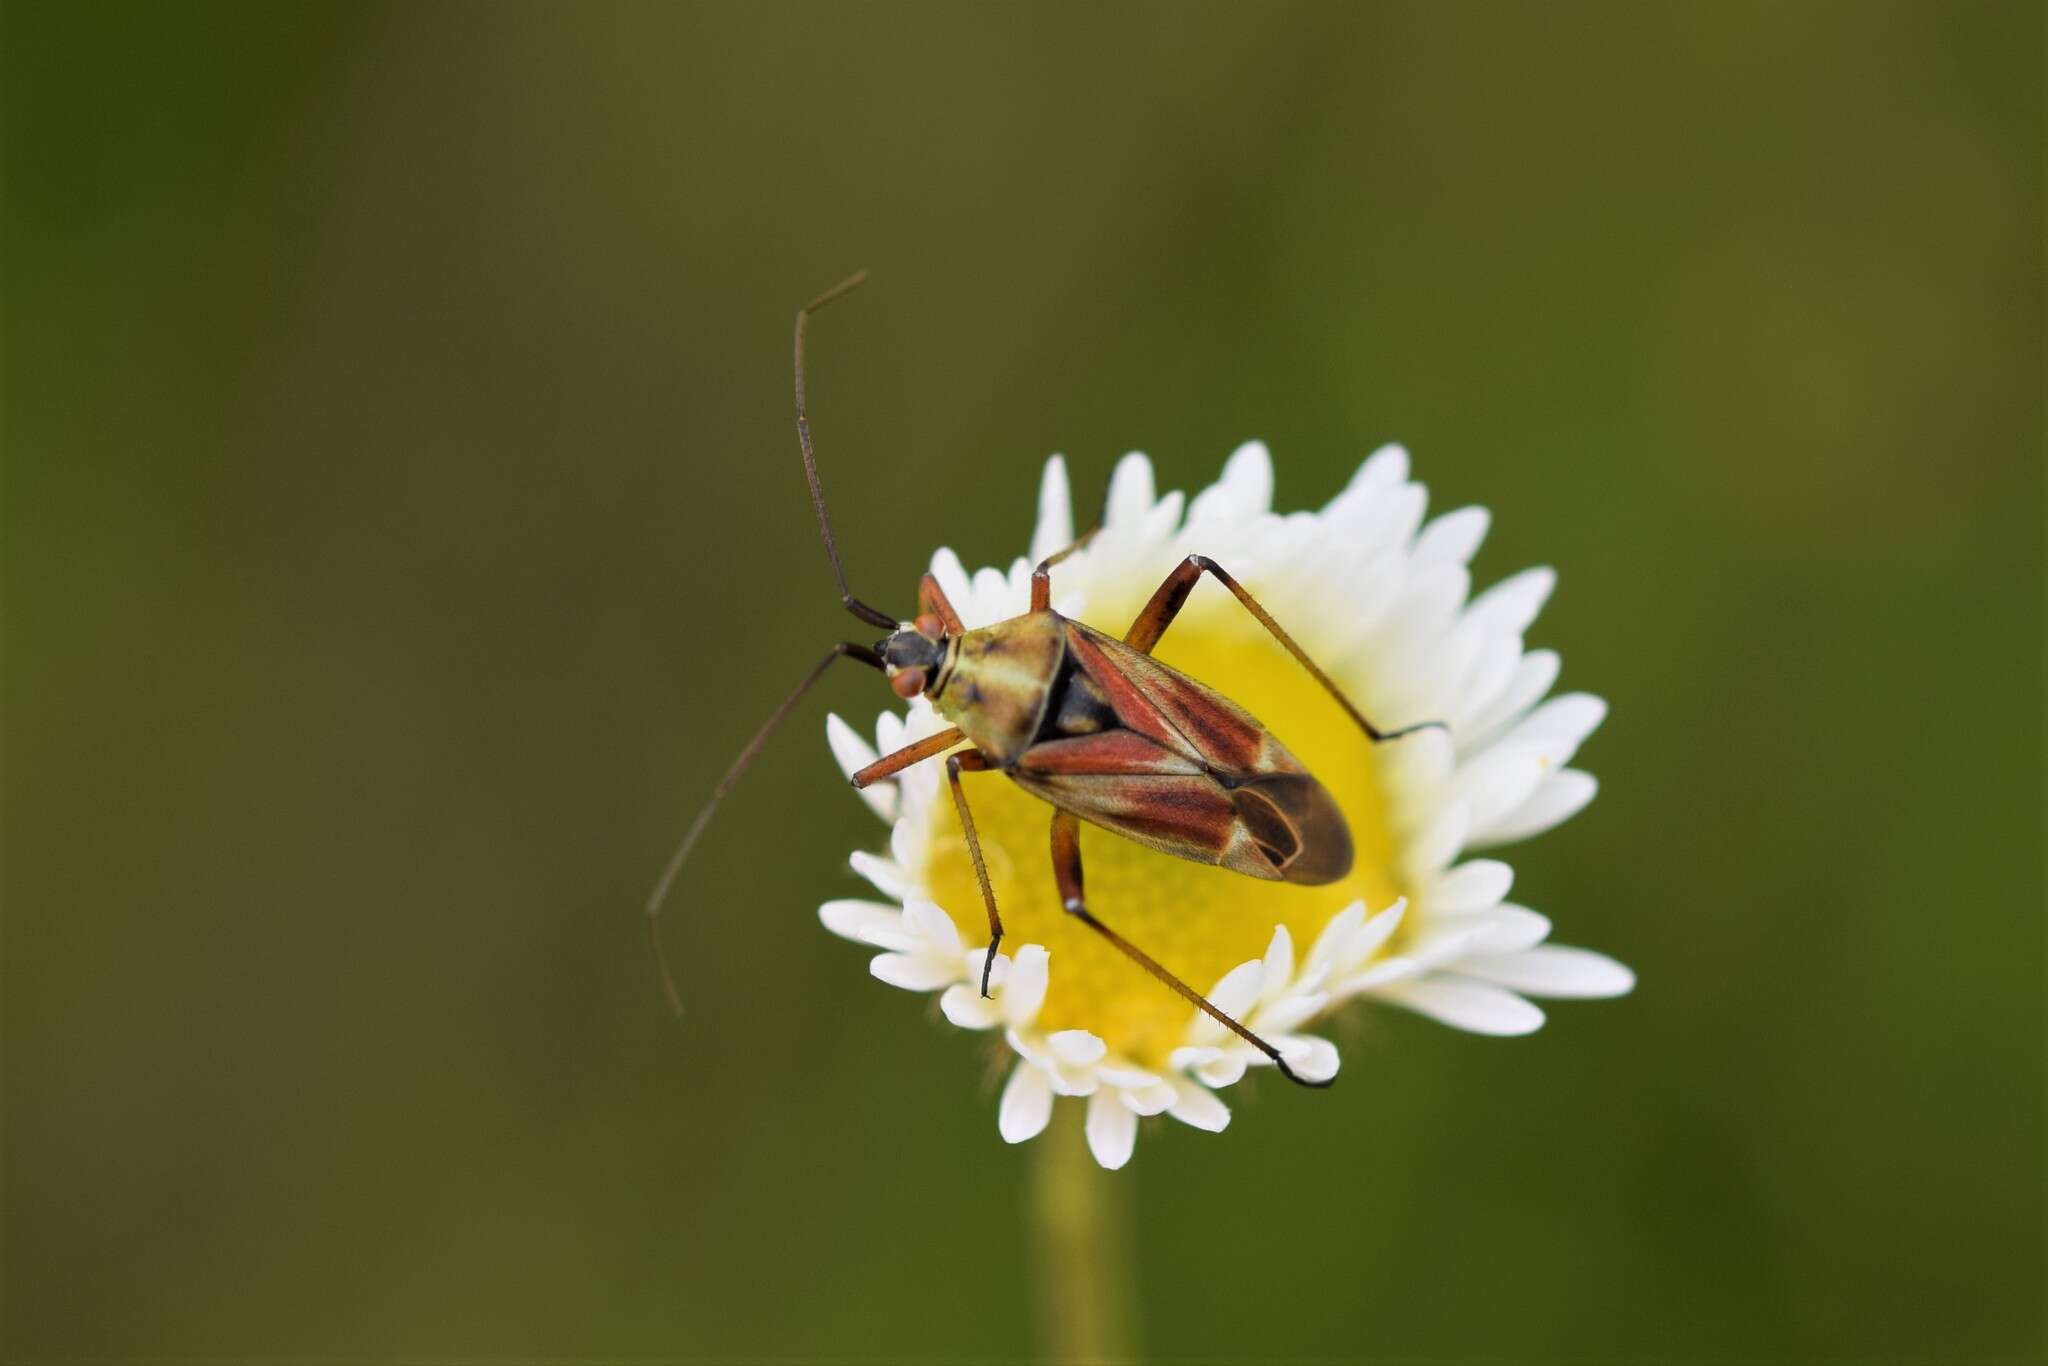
{"x":1382,"y":602}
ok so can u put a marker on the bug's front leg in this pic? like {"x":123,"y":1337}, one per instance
{"x":1172,"y":595}
{"x":1066,"y":872}
{"x":932,"y":598}
{"x":973,"y":762}
{"x":889,"y":765}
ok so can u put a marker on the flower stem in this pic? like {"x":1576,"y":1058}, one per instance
{"x":1080,"y":1218}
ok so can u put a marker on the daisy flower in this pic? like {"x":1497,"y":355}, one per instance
{"x":1382,"y":600}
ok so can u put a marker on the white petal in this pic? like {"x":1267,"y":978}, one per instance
{"x":894,"y":935}
{"x":1112,"y":1129}
{"x":1513,"y":603}
{"x":912,"y":972}
{"x":1076,"y":1047}
{"x":1279,"y":965}
{"x":991,"y":596}
{"x":1334,"y":938}
{"x":848,"y":748}
{"x":1290,"y":1012}
{"x":1073,"y":1081}
{"x":1532,"y":676}
{"x":1130,"y":492}
{"x":1224,"y":1071}
{"x":1312,"y":1059}
{"x":1164,"y":518}
{"x":1030,"y":1046}
{"x":1500,"y":779}
{"x":1235,"y":992}
{"x":1438,"y":944}
{"x":1385,"y":467}
{"x":1199,"y":1106}
{"x":964,"y":1005}
{"x":883,"y":874}
{"x":1475,"y":1006}
{"x":1126,"y":1077}
{"x":1244,"y":492}
{"x":952,"y":577}
{"x":934,"y":926}
{"x":1452,"y":538}
{"x":909,"y":839}
{"x":1556,"y":800}
{"x":1509,"y":928}
{"x":1148,"y":1100}
{"x":854,"y":919}
{"x":1559,"y":726}
{"x":1486,"y":681}
{"x":1475,"y":886}
{"x":1440,"y":843}
{"x":1376,"y":932}
{"x":1026,"y":1106}
{"x":1055,"y":530}
{"x":1552,"y":970}
{"x":1378,"y":976}
{"x":1024,"y":992}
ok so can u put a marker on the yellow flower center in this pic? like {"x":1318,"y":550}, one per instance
{"x":1199,"y":921}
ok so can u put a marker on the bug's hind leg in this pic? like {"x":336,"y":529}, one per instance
{"x":1172,"y":595}
{"x":972,"y":762}
{"x":1041,"y":577}
{"x":1066,"y":872}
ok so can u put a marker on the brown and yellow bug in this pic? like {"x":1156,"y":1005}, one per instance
{"x":1094,"y":726}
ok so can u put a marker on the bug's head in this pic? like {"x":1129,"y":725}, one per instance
{"x":913,"y":655}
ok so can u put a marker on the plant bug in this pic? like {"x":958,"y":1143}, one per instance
{"x":1094,"y":726}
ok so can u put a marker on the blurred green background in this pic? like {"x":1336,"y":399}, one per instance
{"x":403,"y":525}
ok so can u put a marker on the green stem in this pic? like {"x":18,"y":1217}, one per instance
{"x":1080,"y":1218}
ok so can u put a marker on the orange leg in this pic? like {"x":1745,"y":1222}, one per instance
{"x":1041,"y":577}
{"x":1066,"y":872}
{"x":972,"y":762}
{"x":1172,"y":595}
{"x":916,"y":753}
{"x":932,"y":598}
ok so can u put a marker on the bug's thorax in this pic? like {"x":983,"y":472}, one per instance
{"x":995,"y":682}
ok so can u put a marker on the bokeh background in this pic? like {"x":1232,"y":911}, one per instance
{"x":403,"y":525}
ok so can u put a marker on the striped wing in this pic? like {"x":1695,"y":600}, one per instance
{"x":1191,"y":774}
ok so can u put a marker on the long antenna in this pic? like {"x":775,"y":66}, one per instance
{"x":872,"y":616}
{"x":725,"y":785}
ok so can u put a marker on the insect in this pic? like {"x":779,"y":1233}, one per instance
{"x":1093,"y":725}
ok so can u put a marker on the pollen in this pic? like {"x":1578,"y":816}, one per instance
{"x":1197,"y":920}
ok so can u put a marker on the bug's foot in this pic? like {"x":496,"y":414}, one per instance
{"x":988,"y":965}
{"x":1384,"y":736}
{"x":1299,"y":1080}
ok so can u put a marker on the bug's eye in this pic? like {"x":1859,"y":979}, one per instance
{"x":929,"y":626}
{"x":907,"y":683}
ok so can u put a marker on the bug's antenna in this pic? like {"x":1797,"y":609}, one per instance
{"x":725,"y":784}
{"x":872,"y":616}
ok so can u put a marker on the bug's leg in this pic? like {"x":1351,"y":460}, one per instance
{"x":732,"y":775}
{"x":1172,"y":595}
{"x":1066,"y":872}
{"x":1041,"y":577}
{"x":932,"y":598}
{"x":873,"y":616}
{"x":915,"y":753}
{"x":972,"y":762}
